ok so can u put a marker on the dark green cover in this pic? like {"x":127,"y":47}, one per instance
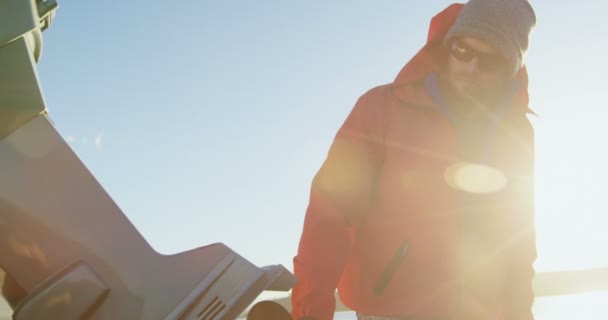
{"x":21,"y":98}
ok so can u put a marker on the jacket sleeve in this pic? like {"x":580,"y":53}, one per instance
{"x":519,"y":296}
{"x":340,"y":194}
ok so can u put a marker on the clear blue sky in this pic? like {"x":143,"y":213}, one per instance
{"x":206,"y":120}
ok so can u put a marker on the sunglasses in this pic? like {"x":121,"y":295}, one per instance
{"x":486,"y":61}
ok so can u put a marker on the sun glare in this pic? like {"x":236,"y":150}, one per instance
{"x":475,"y":178}
{"x":571,"y":210}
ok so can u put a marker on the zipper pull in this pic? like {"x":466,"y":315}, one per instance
{"x":391,"y":268}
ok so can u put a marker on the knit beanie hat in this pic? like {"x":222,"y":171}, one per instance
{"x":505,"y":24}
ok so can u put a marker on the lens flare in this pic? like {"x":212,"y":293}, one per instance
{"x":475,"y":178}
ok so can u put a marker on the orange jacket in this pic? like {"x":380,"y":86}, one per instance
{"x":386,"y":227}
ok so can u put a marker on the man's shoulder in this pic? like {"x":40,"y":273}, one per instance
{"x":377,"y":96}
{"x":374,"y":104}
{"x":379,"y":91}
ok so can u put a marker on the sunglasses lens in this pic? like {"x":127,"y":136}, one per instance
{"x":461,"y":51}
{"x":488,"y":62}
{"x":492,"y":63}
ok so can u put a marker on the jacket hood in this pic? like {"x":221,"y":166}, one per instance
{"x":429,"y":59}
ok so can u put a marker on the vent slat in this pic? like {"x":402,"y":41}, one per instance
{"x":211,"y":310}
{"x":216,"y":312}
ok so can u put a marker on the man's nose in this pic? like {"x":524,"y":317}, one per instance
{"x":472,"y":66}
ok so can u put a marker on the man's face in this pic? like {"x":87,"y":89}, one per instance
{"x":475,"y":70}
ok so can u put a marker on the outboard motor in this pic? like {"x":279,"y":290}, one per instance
{"x":67,"y":249}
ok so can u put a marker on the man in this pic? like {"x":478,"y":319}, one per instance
{"x":423,"y":208}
